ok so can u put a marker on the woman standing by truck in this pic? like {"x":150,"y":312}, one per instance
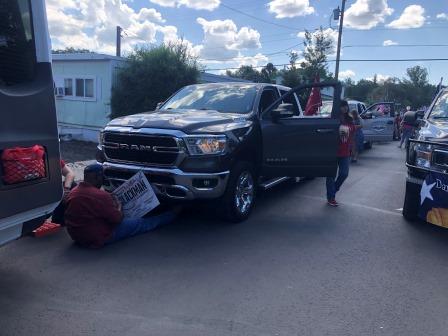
{"x":358,"y":140}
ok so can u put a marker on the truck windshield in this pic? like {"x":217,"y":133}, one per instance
{"x":222,"y":98}
{"x":440,"y":108}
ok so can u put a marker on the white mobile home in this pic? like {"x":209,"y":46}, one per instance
{"x":83,"y":87}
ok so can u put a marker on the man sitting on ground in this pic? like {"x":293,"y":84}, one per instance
{"x":94,"y":218}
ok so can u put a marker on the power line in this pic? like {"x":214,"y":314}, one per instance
{"x":269,"y":54}
{"x":393,"y":45}
{"x":352,"y":60}
{"x":259,"y":19}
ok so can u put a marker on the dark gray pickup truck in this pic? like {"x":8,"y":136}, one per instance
{"x":222,"y":142}
{"x":427,"y":152}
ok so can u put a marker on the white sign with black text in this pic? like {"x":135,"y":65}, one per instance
{"x":136,"y":196}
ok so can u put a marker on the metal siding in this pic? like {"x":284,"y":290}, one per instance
{"x":80,"y":112}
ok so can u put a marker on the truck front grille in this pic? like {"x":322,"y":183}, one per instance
{"x":141,"y":149}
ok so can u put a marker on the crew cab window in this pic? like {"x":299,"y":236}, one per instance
{"x":267,"y":98}
{"x":17,"y":50}
{"x":382,"y":111}
{"x":440,"y":108}
{"x":291,"y":100}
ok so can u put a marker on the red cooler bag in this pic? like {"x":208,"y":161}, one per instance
{"x":22,"y":164}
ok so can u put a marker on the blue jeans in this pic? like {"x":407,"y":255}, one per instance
{"x":132,"y":227}
{"x":405,"y":136}
{"x":333,"y":183}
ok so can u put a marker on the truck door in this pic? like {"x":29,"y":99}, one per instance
{"x":297,"y":145}
{"x":378,"y":121}
{"x":30,"y":173}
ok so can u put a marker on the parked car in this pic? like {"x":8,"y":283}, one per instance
{"x":220,"y":142}
{"x":378,"y":120}
{"x":427,"y":152}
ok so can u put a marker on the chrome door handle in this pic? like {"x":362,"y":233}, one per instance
{"x":324,"y":130}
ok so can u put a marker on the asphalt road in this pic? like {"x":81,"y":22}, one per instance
{"x":297,"y":267}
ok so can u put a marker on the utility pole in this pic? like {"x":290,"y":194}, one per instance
{"x":338,"y":54}
{"x":119,"y":29}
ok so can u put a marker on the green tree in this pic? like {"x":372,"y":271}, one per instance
{"x":318,"y":45}
{"x":418,"y":76}
{"x":292,"y":76}
{"x":151,"y":76}
{"x":247,"y":72}
{"x":269,"y":73}
{"x":71,"y":50}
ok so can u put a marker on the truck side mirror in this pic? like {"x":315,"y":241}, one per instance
{"x":282,"y":111}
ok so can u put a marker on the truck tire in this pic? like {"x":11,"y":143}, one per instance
{"x":411,"y":202}
{"x":239,"y":197}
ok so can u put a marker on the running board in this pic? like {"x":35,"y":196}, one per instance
{"x":272,"y":183}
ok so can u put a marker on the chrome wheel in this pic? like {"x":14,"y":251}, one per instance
{"x":245,"y":190}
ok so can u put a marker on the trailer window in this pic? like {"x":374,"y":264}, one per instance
{"x":17,"y":50}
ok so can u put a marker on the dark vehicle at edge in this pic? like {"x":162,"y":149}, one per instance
{"x":427,"y":151}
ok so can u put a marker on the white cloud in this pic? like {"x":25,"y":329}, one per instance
{"x":91,"y":24}
{"x":412,"y":17}
{"x":442,"y":16}
{"x":194,"y":4}
{"x":256,"y":60}
{"x":290,"y":8}
{"x":223,"y":41}
{"x":150,"y":14}
{"x":389,"y":43}
{"x":379,"y":78}
{"x":170,"y":36}
{"x":346,"y":74}
{"x":366,"y":14}
{"x":165,"y":3}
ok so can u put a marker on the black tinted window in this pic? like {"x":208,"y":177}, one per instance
{"x":17,"y":52}
{"x":291,"y":100}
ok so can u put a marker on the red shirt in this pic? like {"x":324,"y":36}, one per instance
{"x":91,"y":215}
{"x":345,"y":140}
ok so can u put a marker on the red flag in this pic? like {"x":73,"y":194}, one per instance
{"x":314,"y":101}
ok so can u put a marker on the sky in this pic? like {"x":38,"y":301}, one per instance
{"x":226,"y":34}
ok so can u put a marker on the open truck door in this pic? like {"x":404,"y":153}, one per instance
{"x":298,"y":145}
{"x":379,"y":122}
{"x":30,"y":173}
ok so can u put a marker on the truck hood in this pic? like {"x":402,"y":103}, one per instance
{"x":434,"y":130}
{"x":188,"y":121}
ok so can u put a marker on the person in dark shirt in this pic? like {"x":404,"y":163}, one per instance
{"x":347,"y":132}
{"x":94,"y":218}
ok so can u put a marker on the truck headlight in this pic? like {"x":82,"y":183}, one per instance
{"x":423,"y":155}
{"x":204,"y":145}
{"x":101,"y":138}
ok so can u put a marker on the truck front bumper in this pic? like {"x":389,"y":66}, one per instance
{"x":171,"y":183}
